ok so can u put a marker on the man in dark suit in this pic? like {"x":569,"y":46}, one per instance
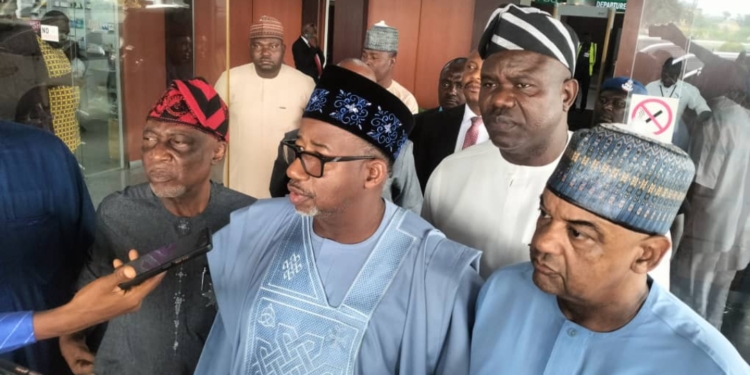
{"x":308,"y":58}
{"x":438,"y":134}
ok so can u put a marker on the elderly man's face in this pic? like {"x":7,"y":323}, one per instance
{"x":268,"y":54}
{"x":342,"y":182}
{"x":380,"y":62}
{"x":178,"y":158}
{"x":611,"y":107}
{"x":524,"y":97}
{"x":581,"y":257}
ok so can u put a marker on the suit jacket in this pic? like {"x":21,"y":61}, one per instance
{"x":402,"y":187}
{"x":435,"y":134}
{"x":304,"y":58}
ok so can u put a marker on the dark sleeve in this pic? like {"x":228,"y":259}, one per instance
{"x":85,"y":219}
{"x":279,"y":180}
{"x":299,"y":54}
{"x":101,"y":254}
{"x":407,"y":192}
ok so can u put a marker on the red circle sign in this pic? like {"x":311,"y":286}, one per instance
{"x":661,"y":126}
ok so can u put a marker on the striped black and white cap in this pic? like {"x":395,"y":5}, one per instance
{"x":529,"y":29}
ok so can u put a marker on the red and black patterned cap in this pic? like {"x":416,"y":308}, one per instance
{"x":195,"y":103}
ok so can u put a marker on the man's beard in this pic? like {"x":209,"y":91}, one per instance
{"x":312,"y":212}
{"x":169,"y":191}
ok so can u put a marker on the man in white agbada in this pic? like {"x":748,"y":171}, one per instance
{"x":267,"y":99}
{"x":489,"y":199}
{"x":380,"y":54}
{"x":334,"y":279}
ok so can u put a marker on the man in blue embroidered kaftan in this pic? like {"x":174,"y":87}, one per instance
{"x":585,"y":304}
{"x":333,"y":279}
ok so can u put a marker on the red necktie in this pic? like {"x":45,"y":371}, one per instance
{"x":320,"y":66}
{"x":473,"y":133}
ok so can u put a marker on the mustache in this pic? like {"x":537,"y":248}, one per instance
{"x":296,"y":186}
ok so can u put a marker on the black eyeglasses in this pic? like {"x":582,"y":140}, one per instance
{"x":313,"y":163}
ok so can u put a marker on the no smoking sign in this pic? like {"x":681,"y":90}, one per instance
{"x":653,"y":116}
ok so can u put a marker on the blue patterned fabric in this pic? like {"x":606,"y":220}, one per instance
{"x":16,"y":330}
{"x":624,"y":177}
{"x":362,"y":107}
{"x":294,"y":322}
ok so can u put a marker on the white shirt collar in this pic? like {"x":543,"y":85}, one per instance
{"x":305,"y":40}
{"x":468,"y":114}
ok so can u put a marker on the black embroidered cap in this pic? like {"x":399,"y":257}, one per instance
{"x":362,"y":107}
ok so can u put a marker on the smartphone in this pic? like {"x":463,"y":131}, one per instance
{"x":157,"y":261}
{"x":8,"y":368}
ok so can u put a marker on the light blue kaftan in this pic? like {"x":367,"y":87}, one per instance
{"x":520,"y":330}
{"x":290,"y":302}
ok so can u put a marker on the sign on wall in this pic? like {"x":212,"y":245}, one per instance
{"x":619,"y":5}
{"x":653,"y":116}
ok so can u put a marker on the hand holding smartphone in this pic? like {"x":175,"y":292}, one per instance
{"x":169,"y":256}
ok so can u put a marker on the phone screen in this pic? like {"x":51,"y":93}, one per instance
{"x":156,"y":258}
{"x":168,"y":256}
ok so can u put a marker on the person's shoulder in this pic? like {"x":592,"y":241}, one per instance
{"x":15,"y":135}
{"x":435,"y":120}
{"x":440,"y":253}
{"x":426,"y":114}
{"x":135,"y":197}
{"x":240,"y":72}
{"x":485,"y":151}
{"x":399,"y":87}
{"x":708,"y":346}
{"x":296,"y":76}
{"x":512,"y":275}
{"x":266,"y":210}
{"x":231,"y":199}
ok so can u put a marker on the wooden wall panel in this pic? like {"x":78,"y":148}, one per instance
{"x":629,"y":38}
{"x":143,"y":72}
{"x":445,"y":33}
{"x":401,"y":14}
{"x":210,"y":39}
{"x":289,"y":12}
{"x":482,"y":11}
{"x":241,"y":17}
{"x":310,"y":9}
{"x":350,"y":25}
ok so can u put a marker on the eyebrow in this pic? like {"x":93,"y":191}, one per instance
{"x":320,"y":145}
{"x":578,"y":223}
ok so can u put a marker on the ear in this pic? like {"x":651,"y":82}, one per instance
{"x":220,"y":150}
{"x":569,"y":93}
{"x":653,"y":250}
{"x":393,"y":61}
{"x":376,"y":174}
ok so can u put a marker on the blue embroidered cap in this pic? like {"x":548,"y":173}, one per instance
{"x":628,"y":179}
{"x":363,"y":107}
